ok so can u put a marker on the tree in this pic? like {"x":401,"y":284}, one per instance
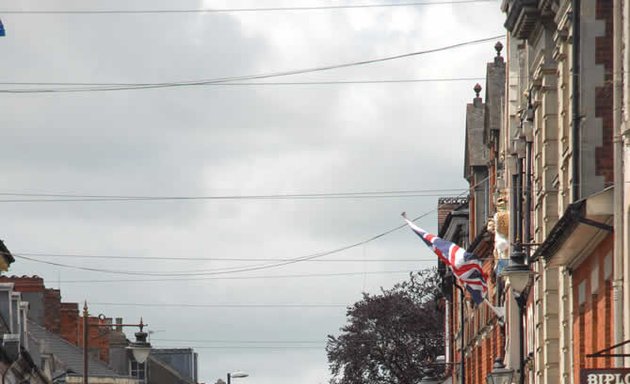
{"x":390,"y":337}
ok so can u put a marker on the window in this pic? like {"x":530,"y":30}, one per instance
{"x":138,"y":371}
{"x":595,"y":279}
{"x":582,"y":293}
{"x":608,"y":266}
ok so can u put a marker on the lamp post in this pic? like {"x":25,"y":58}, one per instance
{"x":499,"y":374}
{"x":517,"y":275}
{"x":139,"y":348}
{"x":235,"y":375}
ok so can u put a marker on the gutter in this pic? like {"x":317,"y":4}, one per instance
{"x":573,"y":216}
{"x":560,"y":232}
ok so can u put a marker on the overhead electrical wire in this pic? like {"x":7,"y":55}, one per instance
{"x":245,"y":347}
{"x":61,"y":197}
{"x":249,"y":77}
{"x":255,"y":267}
{"x":178,"y":259}
{"x":258,"y":267}
{"x":263,"y":83}
{"x":232,"y":341}
{"x":103,"y":200}
{"x":188,"y":305}
{"x":232,"y":10}
{"x":242,"y":341}
{"x":264,"y":277}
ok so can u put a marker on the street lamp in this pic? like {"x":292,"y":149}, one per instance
{"x":235,"y":375}
{"x":517,"y":275}
{"x":140,"y":348}
{"x":499,"y":374}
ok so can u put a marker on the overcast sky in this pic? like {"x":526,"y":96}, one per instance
{"x":233,"y":140}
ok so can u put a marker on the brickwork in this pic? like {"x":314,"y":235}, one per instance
{"x":52,"y":304}
{"x":25,"y":283}
{"x":593,"y":317}
{"x":62,"y":318}
{"x":446,"y":205}
{"x":98,"y":336}
{"x":69,"y":322}
{"x":483,"y":337}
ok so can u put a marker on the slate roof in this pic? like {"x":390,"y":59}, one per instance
{"x":43,"y":341}
{"x":169,"y":369}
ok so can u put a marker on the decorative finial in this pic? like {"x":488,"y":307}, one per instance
{"x":477,"y":89}
{"x":141,"y":325}
{"x":498,"y":47}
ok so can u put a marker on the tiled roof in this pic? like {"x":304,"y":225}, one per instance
{"x":43,"y":341}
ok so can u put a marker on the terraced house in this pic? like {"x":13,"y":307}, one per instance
{"x":547,"y":158}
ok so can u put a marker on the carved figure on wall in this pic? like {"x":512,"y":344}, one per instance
{"x":502,"y":227}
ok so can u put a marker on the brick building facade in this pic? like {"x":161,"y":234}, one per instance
{"x":545,"y":158}
{"x":63,"y":319}
{"x":55,"y":323}
{"x":474,"y":332}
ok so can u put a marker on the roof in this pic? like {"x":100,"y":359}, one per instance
{"x":458,"y":209}
{"x":169,"y":369}
{"x":68,"y":354}
{"x":475,"y":152}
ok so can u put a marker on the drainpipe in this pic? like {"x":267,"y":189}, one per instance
{"x":519,"y":201}
{"x":514,"y":207}
{"x":618,"y":180}
{"x":528,"y":134}
{"x":462,"y":358}
{"x":575,"y":142}
{"x":624,"y":269}
{"x":527,"y":217}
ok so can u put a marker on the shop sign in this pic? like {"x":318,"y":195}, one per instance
{"x":605,"y":376}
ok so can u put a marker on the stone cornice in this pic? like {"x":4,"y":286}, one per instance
{"x":522,"y":16}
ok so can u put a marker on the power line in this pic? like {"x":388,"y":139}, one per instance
{"x":249,"y":77}
{"x":242,"y":341}
{"x":188,"y":274}
{"x":330,"y":82}
{"x":246,"y":347}
{"x":183,"y":305}
{"x":60,"y":197}
{"x":177,"y":259}
{"x":233,"y":10}
{"x":237,"y":270}
{"x":323,"y":340}
{"x":268,"y":277}
{"x":103,"y":200}
{"x":278,"y":264}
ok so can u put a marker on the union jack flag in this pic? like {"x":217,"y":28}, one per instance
{"x":466,"y":266}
